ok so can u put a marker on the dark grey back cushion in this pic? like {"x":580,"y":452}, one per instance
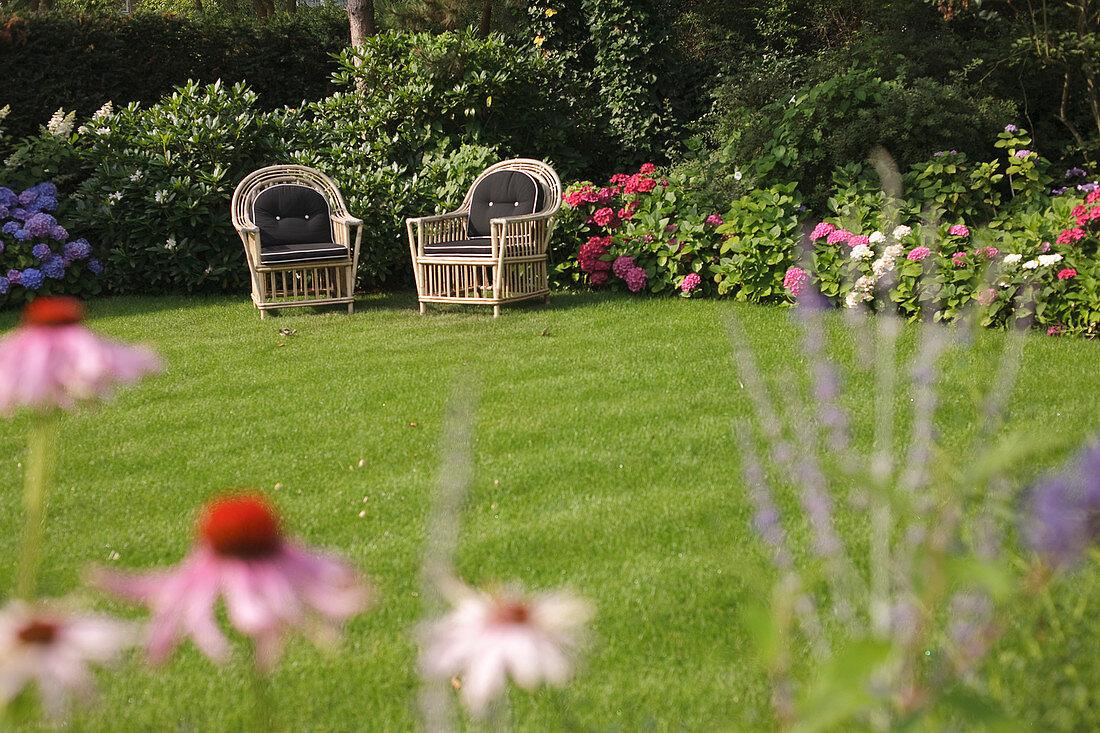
{"x":291,"y":214}
{"x":500,"y":194}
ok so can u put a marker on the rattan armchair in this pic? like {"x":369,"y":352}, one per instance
{"x":493,"y":248}
{"x":301,"y":243}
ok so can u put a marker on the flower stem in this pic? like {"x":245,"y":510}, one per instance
{"x":263,"y":719}
{"x":42,"y":442}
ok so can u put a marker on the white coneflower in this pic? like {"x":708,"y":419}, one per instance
{"x":490,"y":637}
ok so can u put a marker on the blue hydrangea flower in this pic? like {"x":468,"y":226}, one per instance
{"x":42,"y":251}
{"x":15,"y":276}
{"x":78,"y":249}
{"x":45,"y":203}
{"x":45,"y":189}
{"x":54,"y":268}
{"x":4,"y":213}
{"x":20,"y":214}
{"x":32,"y":279}
{"x":10,"y":227}
{"x":95,"y":267}
{"x":5,"y":284}
{"x":40,"y":225}
{"x":59,"y":233}
{"x":8,"y":197}
{"x":21,"y":235}
{"x":1,"y":248}
{"x":28,"y":197}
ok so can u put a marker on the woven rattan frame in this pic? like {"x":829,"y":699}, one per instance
{"x":292,"y":284}
{"x":516,"y":268}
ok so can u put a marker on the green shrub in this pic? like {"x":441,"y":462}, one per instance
{"x":158,"y":194}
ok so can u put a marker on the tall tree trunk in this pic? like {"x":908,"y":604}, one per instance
{"x":264,"y":8}
{"x":486,"y":17}
{"x":361,"y":19}
{"x":291,"y":6}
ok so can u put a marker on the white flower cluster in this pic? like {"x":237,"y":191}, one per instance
{"x":170,"y":244}
{"x":902,"y":231}
{"x":861,"y":252}
{"x":1013,"y":259}
{"x":105,"y":111}
{"x":136,"y":176}
{"x":861,"y":291}
{"x":885,"y":264}
{"x":61,"y":124}
{"x":114,"y":198}
{"x":160,"y":196}
{"x":1047,"y":260}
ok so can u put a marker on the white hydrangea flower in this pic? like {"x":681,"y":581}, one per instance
{"x":852,"y":299}
{"x":865,"y":284}
{"x":61,"y":124}
{"x":1046,"y":260}
{"x":880,"y":267}
{"x":892,"y":252}
{"x":861,"y":252}
{"x":1030,"y":264}
{"x":877,"y":238}
{"x":902,"y":230}
{"x":1013,"y":259}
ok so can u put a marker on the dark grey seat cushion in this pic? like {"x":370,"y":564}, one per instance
{"x":295,"y":225}
{"x":277,"y":253}
{"x":500,"y":194}
{"x":479,"y":247}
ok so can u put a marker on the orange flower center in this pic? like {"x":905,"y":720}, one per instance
{"x":511,"y":612}
{"x":244,"y":526}
{"x":53,"y":310}
{"x":38,"y":632}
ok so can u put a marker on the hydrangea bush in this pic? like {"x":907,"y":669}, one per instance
{"x":37,"y":253}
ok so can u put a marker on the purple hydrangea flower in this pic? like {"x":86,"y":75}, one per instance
{"x":1024,"y":153}
{"x":32,"y":279}
{"x":1088,"y":187}
{"x":78,"y":249}
{"x":40,"y":225}
{"x":937,"y":154}
{"x":59,"y":233}
{"x":20,"y":214}
{"x":1011,"y":128}
{"x":622,"y":265}
{"x":8,"y":197}
{"x":28,"y":197}
{"x":1076,"y":171}
{"x":635,"y":279}
{"x":10,"y":228}
{"x":5,"y":285}
{"x":95,"y":267}
{"x":4,"y":212}
{"x":1,"y":248}
{"x":1065,"y":510}
{"x":54,"y":268}
{"x":15,"y":276}
{"x":42,"y":251}
{"x":1059,"y":191}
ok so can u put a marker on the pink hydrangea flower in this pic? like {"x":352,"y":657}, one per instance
{"x":619,"y":179}
{"x":1067,"y":274}
{"x":604,"y":216}
{"x":837,"y":236}
{"x":488,"y":638}
{"x":987,"y":296}
{"x":823,"y":229}
{"x":918,"y":253}
{"x":714,"y":220}
{"x":1068,"y":236}
{"x":270,"y":585}
{"x":590,"y":256}
{"x":1093,"y":197}
{"x":53,"y":649}
{"x":959,"y":230}
{"x":988,"y":252}
{"x":598,"y":277}
{"x":959,"y":259}
{"x":859,"y":239}
{"x":795,"y":280}
{"x":647,"y":168}
{"x":690,"y":282}
{"x":639,"y":183}
{"x":51,"y":360}
{"x":1056,"y":330}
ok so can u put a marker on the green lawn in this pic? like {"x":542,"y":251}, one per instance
{"x":605,"y":462}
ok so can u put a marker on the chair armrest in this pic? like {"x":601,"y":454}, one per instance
{"x":248,"y":229}
{"x":524,"y":217}
{"x":418,"y":220}
{"x":346,"y":219}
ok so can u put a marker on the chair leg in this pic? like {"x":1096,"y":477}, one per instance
{"x":351,"y":308}
{"x":546,"y":299}
{"x":263,"y":313}
{"x":496,"y":311}
{"x":423,"y":308}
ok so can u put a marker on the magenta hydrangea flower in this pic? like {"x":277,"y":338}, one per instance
{"x":604,"y":216}
{"x":622,"y":265}
{"x":959,"y":230}
{"x":918,"y":253}
{"x":959,"y":259}
{"x":795,"y":280}
{"x":647,"y":168}
{"x":1068,"y":236}
{"x":714,"y":220}
{"x":837,"y":236}
{"x":270,"y":585}
{"x":690,"y":282}
{"x":1067,"y":274}
{"x":859,"y":239}
{"x":51,"y":360}
{"x":635,"y":279}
